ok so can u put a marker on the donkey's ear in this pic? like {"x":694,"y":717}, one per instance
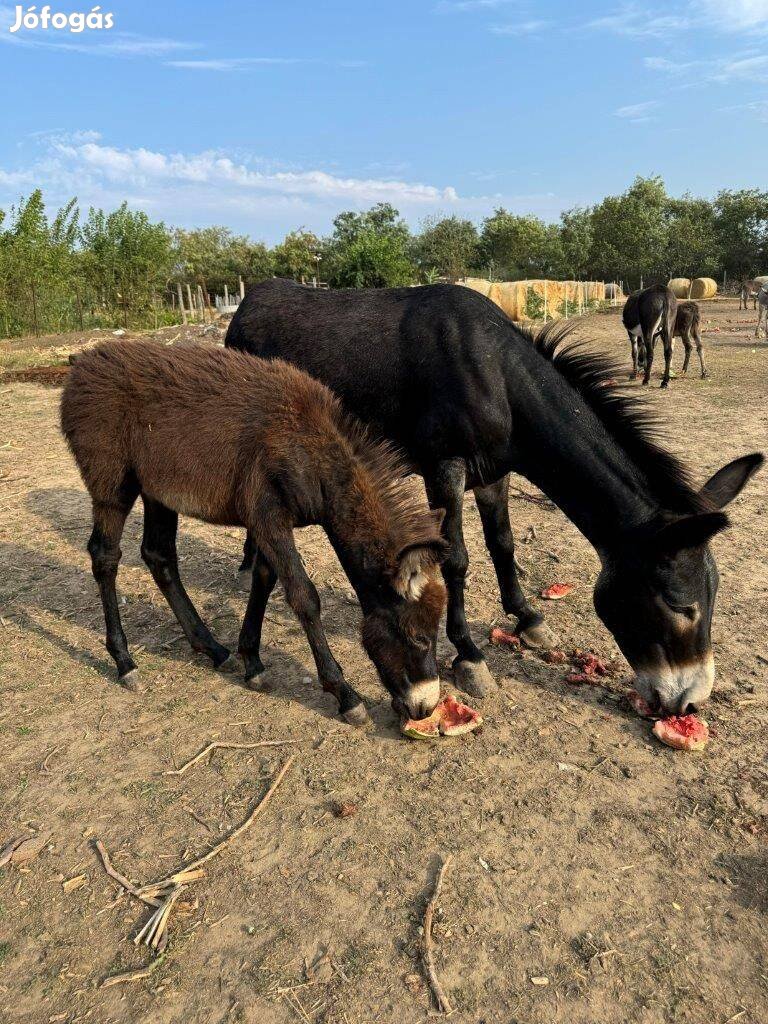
{"x":689,"y":532}
{"x":729,"y":481}
{"x":410,"y":575}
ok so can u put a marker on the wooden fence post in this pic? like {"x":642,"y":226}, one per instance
{"x":181,"y":303}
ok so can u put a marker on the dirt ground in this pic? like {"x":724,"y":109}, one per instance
{"x":597,"y":877}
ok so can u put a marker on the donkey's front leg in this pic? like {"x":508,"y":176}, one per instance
{"x":300,"y":593}
{"x":445,"y":488}
{"x":493,"y":506}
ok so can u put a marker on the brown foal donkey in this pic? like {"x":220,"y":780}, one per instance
{"x":239,"y":441}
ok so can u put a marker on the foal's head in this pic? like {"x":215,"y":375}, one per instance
{"x":399,"y":630}
{"x":656,"y":594}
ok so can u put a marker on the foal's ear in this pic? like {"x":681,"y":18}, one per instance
{"x":729,"y":481}
{"x":410,"y":575}
{"x":689,"y":532}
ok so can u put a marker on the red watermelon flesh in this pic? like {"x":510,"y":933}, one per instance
{"x":450,"y":718}
{"x":557,"y":591}
{"x":683,"y":732}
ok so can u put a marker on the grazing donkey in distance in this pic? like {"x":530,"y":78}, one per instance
{"x":470,"y":397}
{"x":688,"y":329}
{"x":762,"y":310}
{"x":237,"y":441}
{"x":648,"y":314}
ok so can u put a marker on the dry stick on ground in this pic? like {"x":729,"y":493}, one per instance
{"x":121,"y":879}
{"x":144,"y":972}
{"x":443,"y":1002}
{"x":225,"y":746}
{"x":172,"y":880}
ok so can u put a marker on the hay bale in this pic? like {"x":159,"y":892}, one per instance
{"x":703,"y":288}
{"x":760,"y":282}
{"x":680,"y":286}
{"x":613,"y":292}
{"x":509,"y":296}
{"x":477,"y":284}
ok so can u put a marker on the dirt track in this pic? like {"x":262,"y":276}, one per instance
{"x":632,"y":878}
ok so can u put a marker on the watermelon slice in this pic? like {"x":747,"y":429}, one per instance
{"x":683,"y":732}
{"x":501,"y":638}
{"x":450,"y":718}
{"x":557,"y":591}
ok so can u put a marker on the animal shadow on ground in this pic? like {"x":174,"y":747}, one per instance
{"x":42,"y":581}
{"x":750,"y":873}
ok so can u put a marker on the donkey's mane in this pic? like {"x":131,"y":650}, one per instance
{"x":408,"y":520}
{"x":634,"y":426}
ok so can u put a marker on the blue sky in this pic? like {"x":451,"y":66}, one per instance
{"x":272,"y":115}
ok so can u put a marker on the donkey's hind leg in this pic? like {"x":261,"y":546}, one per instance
{"x":280,"y":551}
{"x":700,"y":351}
{"x":247,"y":564}
{"x":104,"y":549}
{"x":688,"y":346}
{"x":492,"y":504}
{"x":262,"y":583}
{"x":158,"y":549}
{"x":633,"y":349}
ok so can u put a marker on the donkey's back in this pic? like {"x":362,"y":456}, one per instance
{"x":183,"y":423}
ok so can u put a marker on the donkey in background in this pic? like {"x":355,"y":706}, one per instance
{"x":649,"y":314}
{"x":237,"y":441}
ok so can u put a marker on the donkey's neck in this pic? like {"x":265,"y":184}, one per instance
{"x":566,"y":450}
{"x":360,"y":516}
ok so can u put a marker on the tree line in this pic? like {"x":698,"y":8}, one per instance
{"x":69,"y":272}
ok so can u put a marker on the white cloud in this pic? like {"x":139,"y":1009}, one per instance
{"x":735,"y":15}
{"x":639,"y":22}
{"x":637,"y":111}
{"x":264,"y":198}
{"x":742,"y":67}
{"x":521,"y":28}
{"x":759,"y":108}
{"x":244,"y":63}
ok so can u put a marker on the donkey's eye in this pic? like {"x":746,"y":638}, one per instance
{"x":690,"y":611}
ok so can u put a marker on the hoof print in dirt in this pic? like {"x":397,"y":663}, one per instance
{"x":450,"y":718}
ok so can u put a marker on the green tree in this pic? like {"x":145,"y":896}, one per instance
{"x":128,"y":260}
{"x":295,"y":257}
{"x":692,"y":244}
{"x":630,"y":234}
{"x":520,"y":247}
{"x":741,"y":229}
{"x":450,"y":246}
{"x":576,"y":242}
{"x":370,"y":249}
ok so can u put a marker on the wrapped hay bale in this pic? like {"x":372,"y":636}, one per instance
{"x":477,"y":284}
{"x":509,"y":296}
{"x":680,"y":286}
{"x":613,"y":292}
{"x":703,"y":288}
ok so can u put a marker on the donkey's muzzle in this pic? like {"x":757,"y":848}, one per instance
{"x":422,"y":698}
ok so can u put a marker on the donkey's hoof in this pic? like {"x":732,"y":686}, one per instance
{"x":132,"y":681}
{"x":473,"y":678}
{"x":357,"y":716}
{"x":539,"y":637}
{"x":231,"y":665}
{"x":244,"y":579}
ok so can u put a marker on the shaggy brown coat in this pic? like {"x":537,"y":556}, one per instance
{"x":239,"y":441}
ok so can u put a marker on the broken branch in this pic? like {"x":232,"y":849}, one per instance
{"x":443,"y":1003}
{"x":224,"y":746}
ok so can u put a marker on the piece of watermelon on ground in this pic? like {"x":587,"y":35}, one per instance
{"x":450,"y":718}
{"x":682,"y":732}
{"x":557,"y":591}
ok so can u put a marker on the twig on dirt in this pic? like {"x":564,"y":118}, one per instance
{"x":443,"y":1003}
{"x":44,"y":765}
{"x":176,"y":878}
{"x":216,"y":745}
{"x":153,"y":932}
{"x":143,"y":972}
{"x":121,"y":880}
